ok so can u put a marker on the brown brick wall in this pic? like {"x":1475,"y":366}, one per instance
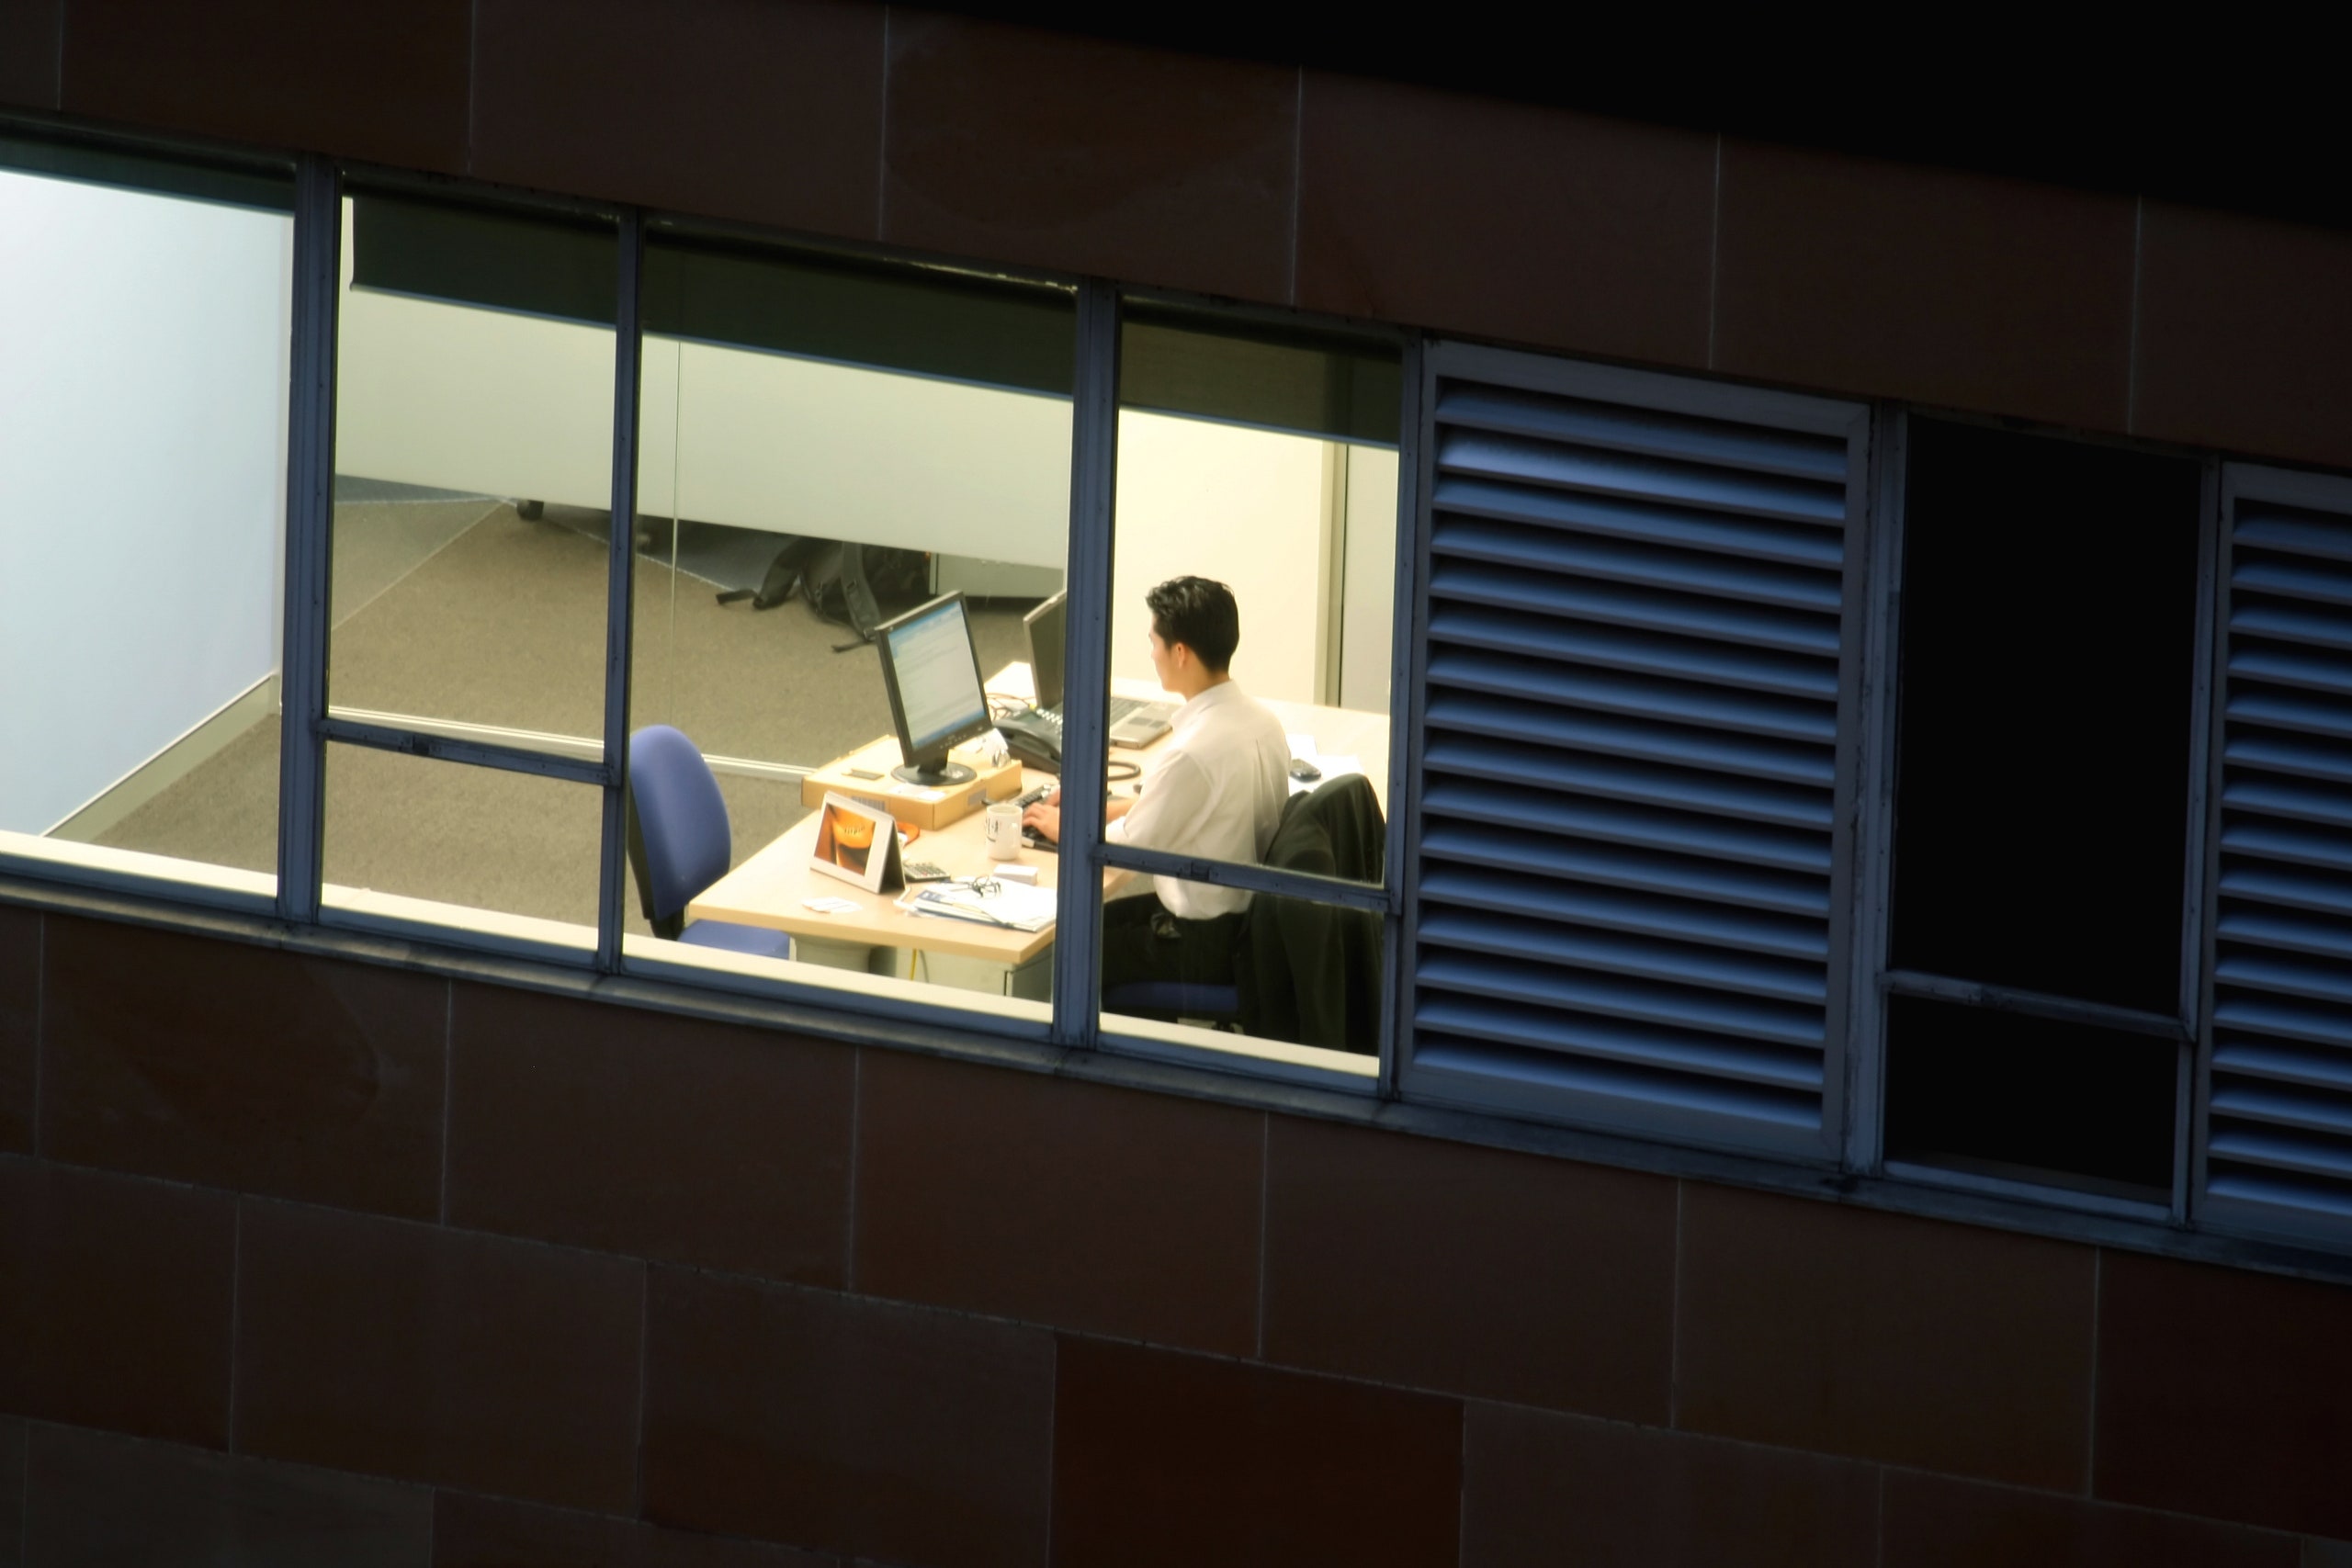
{"x":624,"y":1288}
{"x":1553,"y":229}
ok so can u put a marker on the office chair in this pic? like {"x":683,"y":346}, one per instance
{"x":679,"y":843}
{"x":1309,"y":973}
{"x":1175,"y":1000}
{"x":1304,"y":972}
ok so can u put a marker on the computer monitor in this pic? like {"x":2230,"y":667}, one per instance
{"x":936,"y":699}
{"x":1047,"y":624}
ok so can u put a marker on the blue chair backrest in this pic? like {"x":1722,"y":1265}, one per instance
{"x":681,"y":819}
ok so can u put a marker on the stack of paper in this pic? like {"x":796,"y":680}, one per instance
{"x":1009,"y":905}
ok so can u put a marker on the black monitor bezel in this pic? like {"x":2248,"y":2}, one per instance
{"x":931,"y":767}
{"x":1057,"y":605}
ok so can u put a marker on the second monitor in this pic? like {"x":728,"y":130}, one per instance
{"x":932,"y":672}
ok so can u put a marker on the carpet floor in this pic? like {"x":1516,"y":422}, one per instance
{"x":460,"y":609}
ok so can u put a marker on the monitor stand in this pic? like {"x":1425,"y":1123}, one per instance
{"x":933,"y":777}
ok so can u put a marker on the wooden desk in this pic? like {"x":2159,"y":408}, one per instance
{"x":772,"y":887}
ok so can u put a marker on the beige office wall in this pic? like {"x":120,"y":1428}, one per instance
{"x":1246,"y":507}
{"x":1368,"y":589}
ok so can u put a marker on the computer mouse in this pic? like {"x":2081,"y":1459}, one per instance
{"x":1304,"y":771}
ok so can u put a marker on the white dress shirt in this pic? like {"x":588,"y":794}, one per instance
{"x":1217,"y":792}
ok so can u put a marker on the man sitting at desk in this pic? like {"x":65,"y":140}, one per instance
{"x":1217,"y":792}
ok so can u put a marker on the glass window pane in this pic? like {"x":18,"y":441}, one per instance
{"x":1254,"y":561}
{"x":1290,"y":979}
{"x":2042,"y":793}
{"x":473,"y":471}
{"x":827,"y":443}
{"x":2029,"y":1098}
{"x":145,"y":325}
{"x":477,"y":848}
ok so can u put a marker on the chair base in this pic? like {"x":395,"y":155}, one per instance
{"x":727,"y":936}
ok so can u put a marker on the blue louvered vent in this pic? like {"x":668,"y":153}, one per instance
{"x":2279,"y":1127}
{"x":1627,"y":790}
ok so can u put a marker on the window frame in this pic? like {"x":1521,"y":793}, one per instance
{"x":1090,"y":617}
{"x":1875,"y":982}
{"x":1672,"y":395}
{"x":311,"y":725}
{"x":211,"y":170}
{"x":2242,"y":481}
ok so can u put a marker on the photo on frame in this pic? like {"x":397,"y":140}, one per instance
{"x":857,"y":843}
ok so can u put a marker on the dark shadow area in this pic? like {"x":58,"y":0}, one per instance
{"x":2180,"y":114}
{"x":2030,"y":1099}
{"x":2042,"y":742}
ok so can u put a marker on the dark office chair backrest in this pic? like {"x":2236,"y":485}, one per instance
{"x":679,"y":843}
{"x":1311,"y":973}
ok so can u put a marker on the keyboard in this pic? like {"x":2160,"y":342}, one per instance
{"x":1120,"y":707}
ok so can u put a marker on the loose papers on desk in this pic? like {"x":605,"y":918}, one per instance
{"x":1011,"y":904}
{"x":1332,"y":764}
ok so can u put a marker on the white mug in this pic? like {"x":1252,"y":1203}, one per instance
{"x":1003,"y":828}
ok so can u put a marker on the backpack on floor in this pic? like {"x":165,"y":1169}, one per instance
{"x":785,"y":575}
{"x":856,"y":586}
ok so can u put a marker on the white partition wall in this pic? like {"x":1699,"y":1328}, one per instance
{"x":505,"y":403}
{"x":799,"y":446}
{"x":142,"y":467}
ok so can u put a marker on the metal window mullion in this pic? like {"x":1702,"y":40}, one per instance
{"x":309,"y":518}
{"x":1849,"y":789}
{"x":522,"y":200}
{"x":612,"y":875}
{"x":2204,"y":793}
{"x":1408,"y":678}
{"x":2214,"y":611}
{"x":1251,"y":878}
{"x":477,"y":753}
{"x":1880,"y":575}
{"x":1094,"y":452}
{"x":1847,"y":794}
{"x":2035,"y":1004}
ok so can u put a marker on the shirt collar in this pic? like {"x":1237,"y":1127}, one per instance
{"x":1195,"y":706}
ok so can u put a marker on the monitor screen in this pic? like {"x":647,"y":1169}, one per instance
{"x":1048,"y":625}
{"x":933,"y":675}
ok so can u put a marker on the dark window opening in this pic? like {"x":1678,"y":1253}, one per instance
{"x":2042,"y":754}
{"x":2031,"y":1099}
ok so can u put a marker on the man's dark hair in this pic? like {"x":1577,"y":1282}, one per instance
{"x":1199,"y":614}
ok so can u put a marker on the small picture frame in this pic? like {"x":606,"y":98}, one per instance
{"x":858,"y":844}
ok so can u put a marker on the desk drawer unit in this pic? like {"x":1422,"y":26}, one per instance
{"x":1638,"y":673}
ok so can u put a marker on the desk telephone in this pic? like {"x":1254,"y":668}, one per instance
{"x":1034,"y":740}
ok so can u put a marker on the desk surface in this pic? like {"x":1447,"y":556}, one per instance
{"x":772,"y":889}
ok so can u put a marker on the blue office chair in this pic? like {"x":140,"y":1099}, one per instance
{"x":1174,"y":1001}
{"x":1303,"y":972}
{"x":679,"y":843}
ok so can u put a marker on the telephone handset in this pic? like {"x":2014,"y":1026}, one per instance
{"x":1035,"y":740}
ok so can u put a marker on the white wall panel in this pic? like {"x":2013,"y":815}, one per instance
{"x":1246,"y":507}
{"x":143,"y":468}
